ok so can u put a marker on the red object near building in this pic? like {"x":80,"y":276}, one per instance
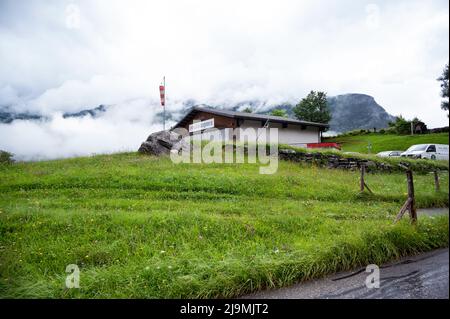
{"x":324,"y":145}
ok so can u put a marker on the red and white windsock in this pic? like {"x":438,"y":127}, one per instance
{"x":162,"y":94}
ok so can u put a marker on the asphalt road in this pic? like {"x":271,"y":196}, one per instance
{"x":423,"y":276}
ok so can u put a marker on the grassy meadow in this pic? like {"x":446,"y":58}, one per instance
{"x":143,"y":227}
{"x":386,"y":142}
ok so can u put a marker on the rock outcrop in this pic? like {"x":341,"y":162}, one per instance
{"x":357,"y":111}
{"x":162,"y":143}
{"x":350,"y":112}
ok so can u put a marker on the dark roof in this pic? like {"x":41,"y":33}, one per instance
{"x":245,"y":116}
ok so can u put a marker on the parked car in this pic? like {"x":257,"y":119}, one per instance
{"x":390,"y":154}
{"x":427,"y":151}
{"x":351,"y":153}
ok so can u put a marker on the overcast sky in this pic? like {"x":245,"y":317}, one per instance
{"x":58,"y":56}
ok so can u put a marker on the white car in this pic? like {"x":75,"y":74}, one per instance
{"x":390,"y":154}
{"x":351,"y":153}
{"x":427,"y":151}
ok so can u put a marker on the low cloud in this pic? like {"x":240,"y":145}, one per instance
{"x":76,"y":95}
{"x":121,"y":128}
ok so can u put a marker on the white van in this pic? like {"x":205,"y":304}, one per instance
{"x":427,"y":151}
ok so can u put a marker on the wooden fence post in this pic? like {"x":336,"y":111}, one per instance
{"x":410,"y":203}
{"x":436,"y":181}
{"x":362,"y":182}
{"x":412,"y":208}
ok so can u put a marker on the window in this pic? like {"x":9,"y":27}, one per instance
{"x":431,"y":149}
{"x":420,"y":147}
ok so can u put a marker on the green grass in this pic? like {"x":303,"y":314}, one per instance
{"x":144,"y":227}
{"x":386,"y":142}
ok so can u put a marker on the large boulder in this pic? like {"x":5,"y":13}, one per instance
{"x":162,"y":143}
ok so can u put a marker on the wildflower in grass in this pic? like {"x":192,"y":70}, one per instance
{"x":162,"y":251}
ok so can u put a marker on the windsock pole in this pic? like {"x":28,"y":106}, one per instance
{"x":164,"y":113}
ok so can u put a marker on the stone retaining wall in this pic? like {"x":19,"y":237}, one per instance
{"x":334,"y":161}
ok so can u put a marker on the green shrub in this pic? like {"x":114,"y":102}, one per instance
{"x":402,"y":126}
{"x":5,"y":157}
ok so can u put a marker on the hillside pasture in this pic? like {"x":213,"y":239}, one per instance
{"x":386,"y":142}
{"x":143,"y":227}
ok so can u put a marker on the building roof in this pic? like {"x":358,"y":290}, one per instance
{"x":244,"y":116}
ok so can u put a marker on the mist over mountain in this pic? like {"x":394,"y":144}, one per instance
{"x":349,"y":112}
{"x":95,"y":112}
{"x":7,"y":116}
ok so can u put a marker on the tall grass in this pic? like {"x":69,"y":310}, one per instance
{"x":144,"y":227}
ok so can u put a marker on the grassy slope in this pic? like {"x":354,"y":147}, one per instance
{"x":143,"y":227}
{"x":386,"y":142}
